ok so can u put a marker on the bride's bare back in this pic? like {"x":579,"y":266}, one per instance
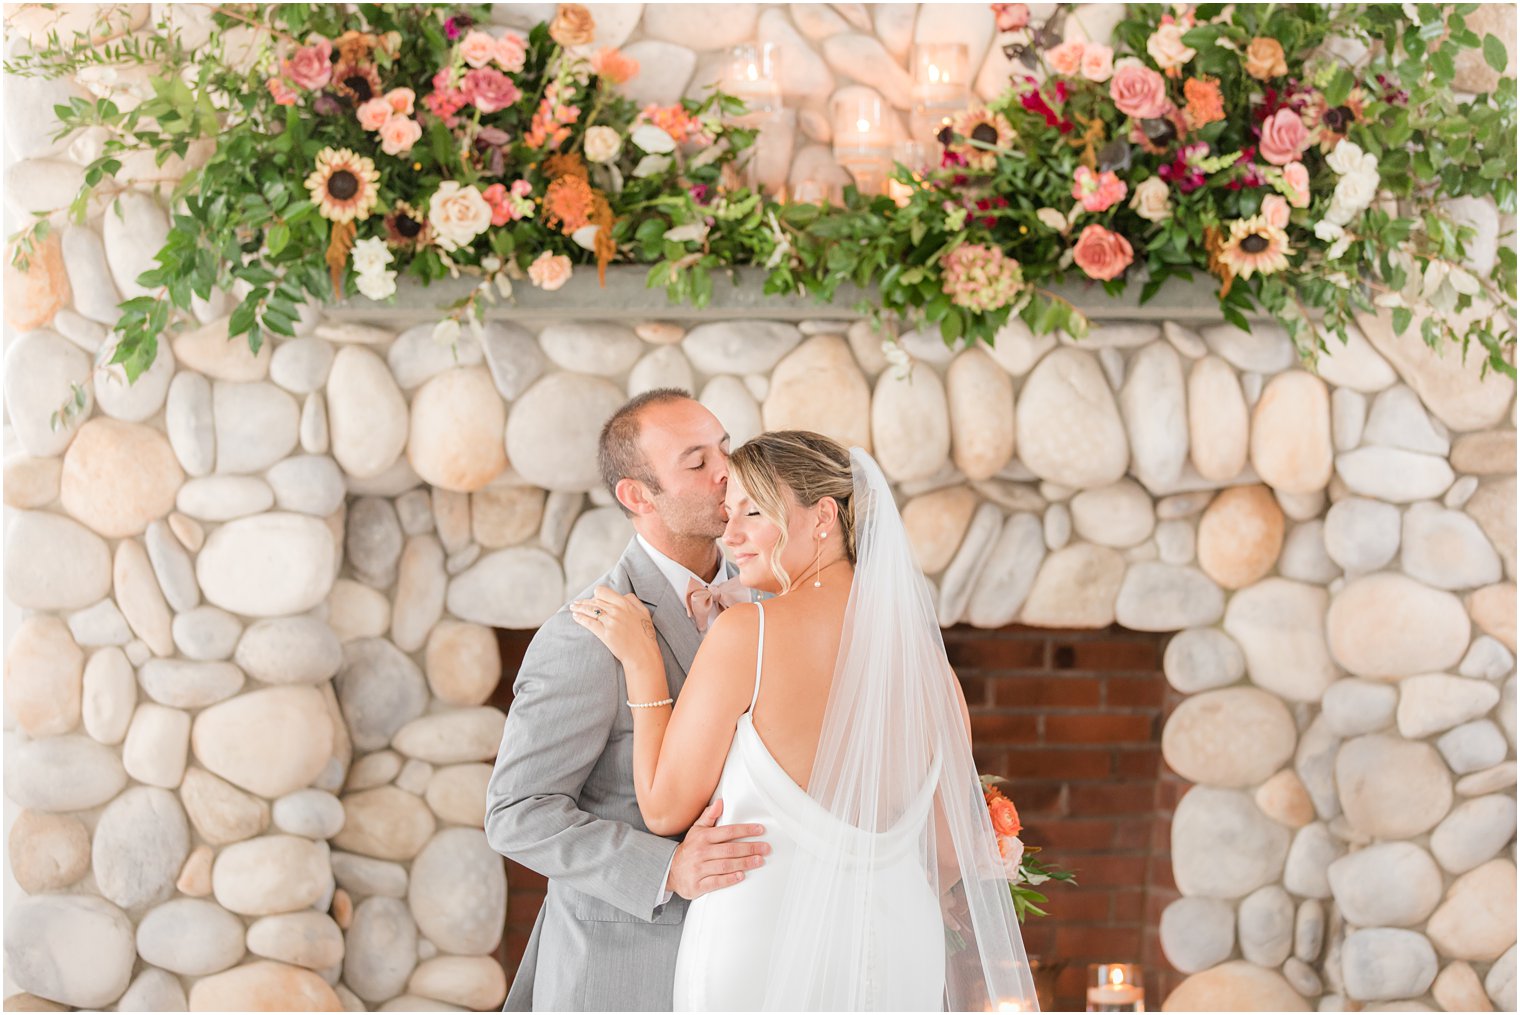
{"x":802,"y":633}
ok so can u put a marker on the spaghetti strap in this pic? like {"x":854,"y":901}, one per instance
{"x":759,"y":657}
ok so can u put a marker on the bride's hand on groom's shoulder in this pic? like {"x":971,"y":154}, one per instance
{"x":622,"y":623}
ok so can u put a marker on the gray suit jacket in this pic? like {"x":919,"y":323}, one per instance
{"x":561,"y":802}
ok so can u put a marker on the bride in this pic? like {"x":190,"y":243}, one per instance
{"x":829,"y":714}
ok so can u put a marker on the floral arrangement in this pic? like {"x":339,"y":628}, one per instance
{"x":1024,"y":869}
{"x":353,"y":148}
{"x":1299,"y":154}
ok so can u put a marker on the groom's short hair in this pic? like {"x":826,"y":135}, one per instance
{"x":618,"y":453}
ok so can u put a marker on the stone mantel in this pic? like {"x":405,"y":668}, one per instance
{"x":737,"y":292}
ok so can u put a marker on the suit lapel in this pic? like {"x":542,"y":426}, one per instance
{"x":665,"y":607}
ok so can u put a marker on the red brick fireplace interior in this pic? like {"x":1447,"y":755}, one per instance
{"x":1073,"y":719}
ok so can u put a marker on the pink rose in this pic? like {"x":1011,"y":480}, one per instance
{"x":1102,"y":254}
{"x":403,"y":101}
{"x":490,"y":90}
{"x":1011,"y":17}
{"x":1139,"y":91}
{"x":478,"y":48}
{"x":1098,"y":192}
{"x":1297,"y":179}
{"x":284,"y":95}
{"x":399,"y":134}
{"x":311,"y":66}
{"x":1097,"y":62}
{"x":1065,"y":59}
{"x":374,"y":113}
{"x":1274,"y":208}
{"x":549,"y":271}
{"x":1283,"y":137}
{"x":511,"y":52}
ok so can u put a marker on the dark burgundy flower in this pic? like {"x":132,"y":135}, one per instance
{"x":454,"y":27}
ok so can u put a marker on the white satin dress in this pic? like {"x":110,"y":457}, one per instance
{"x":727,"y":936}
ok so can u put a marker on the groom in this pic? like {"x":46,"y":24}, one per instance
{"x":561,"y":799}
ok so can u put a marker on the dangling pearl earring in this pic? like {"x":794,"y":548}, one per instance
{"x":818,"y":582}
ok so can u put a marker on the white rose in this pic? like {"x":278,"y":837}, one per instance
{"x":457,"y":214}
{"x":1152,"y":200}
{"x":371,"y":255}
{"x":1355,"y":191}
{"x":1167,"y":48}
{"x":377,"y":285}
{"x":1345,"y":157}
{"x":602,"y":144}
{"x":1328,"y":231}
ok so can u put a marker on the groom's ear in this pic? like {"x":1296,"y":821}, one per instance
{"x":634,"y":496}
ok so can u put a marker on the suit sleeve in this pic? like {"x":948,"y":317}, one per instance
{"x":565,"y":701}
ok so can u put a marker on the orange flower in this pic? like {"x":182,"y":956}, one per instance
{"x":1205,"y":104}
{"x":1264,"y":59}
{"x":568,"y":203}
{"x":573,"y":25}
{"x":1005,"y":817}
{"x":673,"y":120}
{"x":610,"y":63}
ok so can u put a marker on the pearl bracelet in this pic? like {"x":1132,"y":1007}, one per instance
{"x":651,"y":704}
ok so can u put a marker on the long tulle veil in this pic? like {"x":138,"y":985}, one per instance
{"x":893,"y":727}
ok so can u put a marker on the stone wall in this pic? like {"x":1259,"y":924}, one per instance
{"x":250,"y":598}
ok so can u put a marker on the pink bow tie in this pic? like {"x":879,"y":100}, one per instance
{"x":705,"y":602}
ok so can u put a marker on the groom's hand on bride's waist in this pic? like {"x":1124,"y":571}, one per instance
{"x":714,"y":856}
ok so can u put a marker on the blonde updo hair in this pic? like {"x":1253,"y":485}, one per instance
{"x":808,"y":464}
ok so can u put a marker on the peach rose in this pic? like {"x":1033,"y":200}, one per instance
{"x":373,"y":114}
{"x":399,"y":134}
{"x":1283,"y":137}
{"x":1097,"y":62}
{"x":1152,"y":200}
{"x":1065,"y":59}
{"x":1102,"y":254}
{"x":403,"y":101}
{"x":457,"y":214}
{"x":1297,"y":179}
{"x":284,"y":95}
{"x":478,"y":48}
{"x":1168,"y":50}
{"x":511,"y":52}
{"x":1274,"y":208}
{"x":1138,"y":91}
{"x":549,"y":271}
{"x":1264,"y":59}
{"x":573,"y":25}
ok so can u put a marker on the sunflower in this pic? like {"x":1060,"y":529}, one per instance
{"x":406,"y":227}
{"x":1254,"y":247}
{"x":344,"y":186}
{"x":984,"y":127}
{"x":357,"y":82}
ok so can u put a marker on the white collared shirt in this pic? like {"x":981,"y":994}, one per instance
{"x":679,"y":575}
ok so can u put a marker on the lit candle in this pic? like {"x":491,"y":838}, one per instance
{"x":863,"y":138}
{"x":941,"y":86}
{"x":752,"y":76}
{"x":1118,"y":987}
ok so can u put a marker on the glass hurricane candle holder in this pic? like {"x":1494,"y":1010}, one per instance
{"x":1115,"y":986}
{"x":941,"y":87}
{"x":753,"y":74}
{"x":863,"y":139}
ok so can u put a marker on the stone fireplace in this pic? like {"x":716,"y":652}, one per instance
{"x":254,"y":678}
